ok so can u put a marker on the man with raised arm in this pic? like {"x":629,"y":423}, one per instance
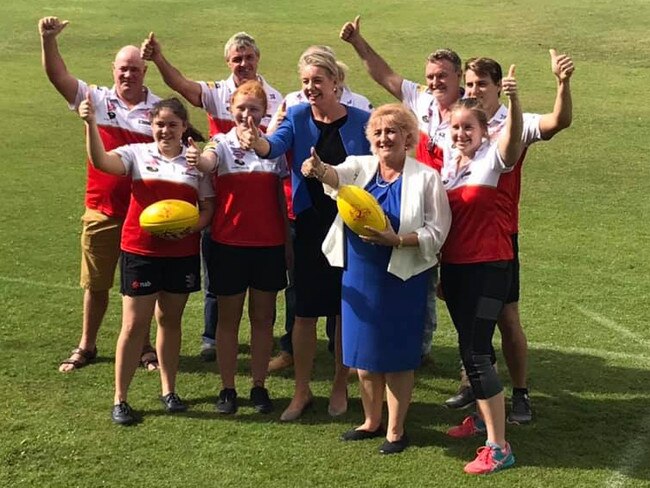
{"x":431,"y":105}
{"x":483,"y":82}
{"x":123,"y":118}
{"x":242,"y":57}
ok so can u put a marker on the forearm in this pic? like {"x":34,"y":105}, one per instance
{"x":174,"y":79}
{"x":510,"y":143}
{"x":56,"y":70}
{"x":328,"y":176}
{"x":206,"y":211}
{"x":562,"y":115}
{"x":99,"y":158}
{"x":378,"y":68}
{"x":262,"y":147}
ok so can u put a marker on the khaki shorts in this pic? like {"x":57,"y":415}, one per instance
{"x":100,"y":250}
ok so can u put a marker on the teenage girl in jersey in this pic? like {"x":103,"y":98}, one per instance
{"x":477,"y":256}
{"x":250,"y":246}
{"x":157,"y":274}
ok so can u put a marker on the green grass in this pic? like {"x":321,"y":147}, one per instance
{"x":584,"y":251}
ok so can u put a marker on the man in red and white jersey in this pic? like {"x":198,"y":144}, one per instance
{"x":242,"y":57}
{"x":123,"y":118}
{"x":430,"y":103}
{"x":483,"y":82}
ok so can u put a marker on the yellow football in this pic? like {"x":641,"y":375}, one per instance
{"x":359,"y":208}
{"x":169,"y":216}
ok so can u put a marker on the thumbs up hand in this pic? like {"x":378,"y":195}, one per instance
{"x":561,"y":65}
{"x":351,"y":31}
{"x":51,"y":26}
{"x":193,"y":153}
{"x":313,"y":166}
{"x":509,"y":84}
{"x":248,"y":134}
{"x":86,"y":109}
{"x":150,"y":48}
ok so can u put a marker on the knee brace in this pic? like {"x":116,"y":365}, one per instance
{"x":482,"y":375}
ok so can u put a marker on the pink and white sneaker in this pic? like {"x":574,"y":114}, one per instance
{"x":491,"y":458}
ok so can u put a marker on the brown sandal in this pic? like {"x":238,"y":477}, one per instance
{"x":149,"y":358}
{"x":87,"y":357}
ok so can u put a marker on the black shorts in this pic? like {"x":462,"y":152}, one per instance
{"x":146,"y":275}
{"x":317,"y":284}
{"x":234,"y":269}
{"x":513,"y":293}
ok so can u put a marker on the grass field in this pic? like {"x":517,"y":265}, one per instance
{"x":585,"y":251}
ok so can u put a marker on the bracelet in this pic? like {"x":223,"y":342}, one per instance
{"x":323,"y":173}
{"x":401,"y":242}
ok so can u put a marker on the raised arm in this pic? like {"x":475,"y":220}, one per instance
{"x":378,"y":69}
{"x":314,"y":167}
{"x":205,"y":162}
{"x":562,"y":115}
{"x":55,"y":69}
{"x":510,"y":144}
{"x":150,"y":50}
{"x":107,"y":162}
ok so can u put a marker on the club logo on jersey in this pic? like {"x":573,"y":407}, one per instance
{"x":240,"y":162}
{"x":151,"y":169}
{"x":425,"y":119}
{"x":238,"y":153}
{"x":111,"y":115}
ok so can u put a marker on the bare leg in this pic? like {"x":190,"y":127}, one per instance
{"x":339,"y":397}
{"x":304,"y":351}
{"x":399,"y":389}
{"x":136,"y":317}
{"x":493,"y":412}
{"x":230,"y":312}
{"x":169,"y":313}
{"x":513,"y":344}
{"x":261,"y":308}
{"x":372,"y":387}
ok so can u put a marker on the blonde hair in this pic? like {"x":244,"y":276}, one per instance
{"x":321,"y":57}
{"x":399,"y":115}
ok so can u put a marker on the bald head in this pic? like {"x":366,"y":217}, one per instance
{"x":128,"y":75}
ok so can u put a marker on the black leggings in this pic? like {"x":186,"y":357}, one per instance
{"x":475,"y":294}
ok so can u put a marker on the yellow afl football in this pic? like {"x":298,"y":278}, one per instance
{"x":169,"y":216}
{"x":359,"y":208}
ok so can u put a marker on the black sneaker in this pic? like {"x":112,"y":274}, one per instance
{"x":261,"y":400}
{"x":520,"y":411}
{"x":463,"y":399}
{"x":227,"y":402}
{"x":173,"y":403}
{"x":122,"y":414}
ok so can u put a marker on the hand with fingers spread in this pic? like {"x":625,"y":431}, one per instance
{"x":87,"y":110}
{"x":249,"y":135}
{"x":561,"y":65}
{"x":509,"y":84}
{"x":313,"y":166}
{"x":351,"y":31}
{"x":386,"y":237}
{"x":150,"y":48}
{"x":51,"y":26}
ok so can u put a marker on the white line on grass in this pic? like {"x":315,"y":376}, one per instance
{"x":639,"y":359}
{"x":610,"y":324}
{"x":24,"y":281}
{"x":632,"y":456}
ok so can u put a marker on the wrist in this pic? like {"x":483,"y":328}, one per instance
{"x":400,"y":242}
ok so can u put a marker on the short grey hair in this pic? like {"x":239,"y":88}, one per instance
{"x":239,"y":41}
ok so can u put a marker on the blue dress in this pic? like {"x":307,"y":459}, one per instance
{"x":382,"y":316}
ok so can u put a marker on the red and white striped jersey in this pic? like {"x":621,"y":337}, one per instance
{"x":247,"y":205}
{"x":154,"y":178}
{"x":118,"y":125}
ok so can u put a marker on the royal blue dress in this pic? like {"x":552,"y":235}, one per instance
{"x":382,"y":315}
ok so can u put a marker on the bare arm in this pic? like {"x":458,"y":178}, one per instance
{"x":314,"y":167}
{"x":206,"y":210}
{"x":510,"y":144}
{"x":55,"y":69}
{"x":561,"y":116}
{"x":377,"y":68}
{"x":150,"y":50}
{"x":107,"y":162}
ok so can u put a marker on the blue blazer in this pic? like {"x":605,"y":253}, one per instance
{"x":299,"y":133}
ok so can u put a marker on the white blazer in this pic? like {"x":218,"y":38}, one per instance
{"x":424,"y":210}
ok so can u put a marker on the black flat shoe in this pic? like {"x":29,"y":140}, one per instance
{"x":396,"y":446}
{"x":362,"y":435}
{"x":173,"y":403}
{"x":122,"y":414}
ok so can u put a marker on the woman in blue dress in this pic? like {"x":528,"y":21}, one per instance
{"x":385,"y":275}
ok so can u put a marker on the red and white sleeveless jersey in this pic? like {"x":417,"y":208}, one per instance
{"x":118,"y":125}
{"x":512,"y":181}
{"x":247,"y":206}
{"x":215,"y":97}
{"x":348,"y":98}
{"x":480,"y":209}
{"x":154,"y":178}
{"x":433,"y":130}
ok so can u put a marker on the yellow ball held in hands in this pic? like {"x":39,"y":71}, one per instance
{"x":169,"y":216}
{"x":358,"y":209}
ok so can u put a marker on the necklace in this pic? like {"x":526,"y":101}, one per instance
{"x":385,"y":183}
